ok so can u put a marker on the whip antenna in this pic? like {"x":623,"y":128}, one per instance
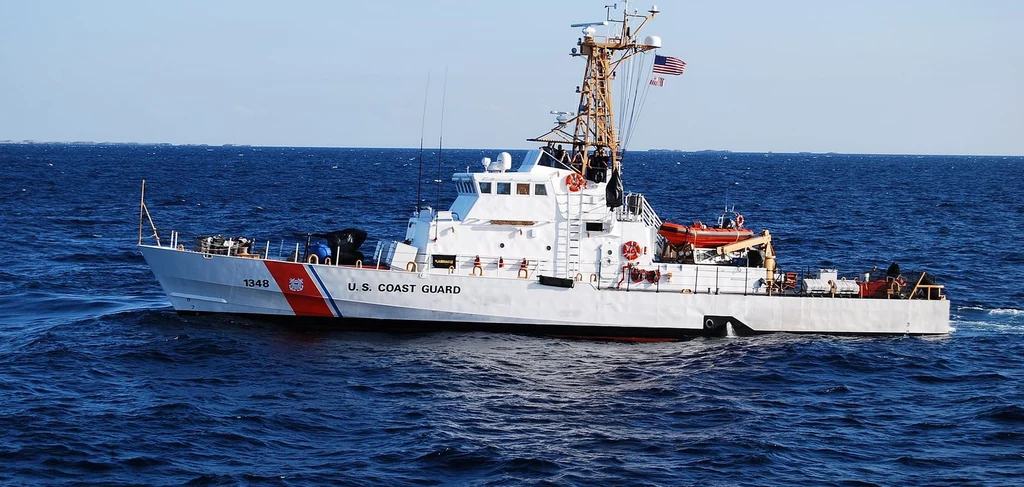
{"x":440,"y":140}
{"x":423,"y":124}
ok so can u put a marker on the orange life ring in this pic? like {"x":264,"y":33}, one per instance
{"x":631,"y":250}
{"x":575,"y":182}
{"x":739,"y":220}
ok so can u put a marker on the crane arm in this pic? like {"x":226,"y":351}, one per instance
{"x":765,"y":238}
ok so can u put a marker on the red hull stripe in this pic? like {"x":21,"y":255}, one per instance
{"x":298,"y":288}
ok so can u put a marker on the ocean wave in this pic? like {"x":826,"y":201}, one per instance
{"x":974,"y":326}
{"x":1007,"y":413}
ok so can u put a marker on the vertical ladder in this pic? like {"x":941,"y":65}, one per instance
{"x":573,"y":229}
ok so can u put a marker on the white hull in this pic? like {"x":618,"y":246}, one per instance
{"x":197,"y":282}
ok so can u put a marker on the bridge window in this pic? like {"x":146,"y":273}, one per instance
{"x":522,"y":188}
{"x":485,"y":187}
{"x":540,"y":189}
{"x":504,"y":188}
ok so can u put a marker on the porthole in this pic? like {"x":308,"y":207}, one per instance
{"x":502,"y":245}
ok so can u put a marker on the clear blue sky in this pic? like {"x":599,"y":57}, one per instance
{"x":871,"y":76}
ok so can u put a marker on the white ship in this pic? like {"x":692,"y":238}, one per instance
{"x":552,"y":247}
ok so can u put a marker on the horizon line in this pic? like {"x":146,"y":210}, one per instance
{"x":684,"y":151}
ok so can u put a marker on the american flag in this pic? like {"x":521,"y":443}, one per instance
{"x":668,"y":65}
{"x":657,"y":81}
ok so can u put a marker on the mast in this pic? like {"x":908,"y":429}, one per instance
{"x":593,"y":127}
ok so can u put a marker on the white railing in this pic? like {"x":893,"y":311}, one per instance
{"x":636,"y":208}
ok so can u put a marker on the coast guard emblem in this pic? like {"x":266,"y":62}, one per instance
{"x":295,"y":284}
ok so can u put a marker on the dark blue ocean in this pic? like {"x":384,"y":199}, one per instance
{"x":100,"y":382}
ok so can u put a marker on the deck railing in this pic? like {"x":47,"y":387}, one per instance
{"x":636,"y":208}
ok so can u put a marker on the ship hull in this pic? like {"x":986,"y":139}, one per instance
{"x":388,"y":300}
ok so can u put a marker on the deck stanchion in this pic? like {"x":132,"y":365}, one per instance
{"x":142,"y":204}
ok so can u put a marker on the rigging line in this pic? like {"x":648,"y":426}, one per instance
{"x":638,"y":69}
{"x":643,"y":102}
{"x":627,"y":98}
{"x":440,"y":140}
{"x":627,"y":116}
{"x":624,"y":84}
{"x":423,"y":124}
{"x":643,"y":98}
{"x":634,"y":98}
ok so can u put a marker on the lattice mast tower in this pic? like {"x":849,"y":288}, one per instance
{"x":594,"y":124}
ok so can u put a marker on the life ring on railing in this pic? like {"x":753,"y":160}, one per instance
{"x":575,"y":182}
{"x":181,"y":247}
{"x":579,"y":277}
{"x":895,"y":287}
{"x":411,"y":266}
{"x":313,"y":259}
{"x":631,"y":250}
{"x":327,"y":260}
{"x":359,"y":264}
{"x":524,"y":270}
{"x":477,"y":268}
{"x":636,"y":275}
{"x":739,"y":220}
